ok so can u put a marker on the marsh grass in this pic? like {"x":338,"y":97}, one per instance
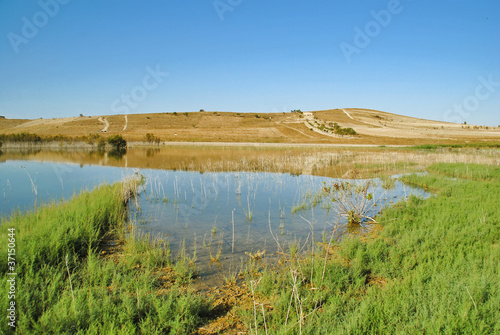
{"x":433,"y":268}
{"x":65,"y":285}
{"x":469,"y":171}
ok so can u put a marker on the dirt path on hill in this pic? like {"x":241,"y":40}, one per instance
{"x":364,"y":122}
{"x":349,"y":115}
{"x":300,"y":131}
{"x":126,"y":123}
{"x":106,"y":124}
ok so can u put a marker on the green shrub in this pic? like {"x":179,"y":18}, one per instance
{"x":117,"y":142}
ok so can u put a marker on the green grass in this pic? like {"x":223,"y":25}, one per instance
{"x":467,"y":171}
{"x":104,"y":296}
{"x":458,"y":145}
{"x":435,"y":268}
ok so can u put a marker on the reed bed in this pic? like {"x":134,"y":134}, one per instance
{"x":343,"y":163}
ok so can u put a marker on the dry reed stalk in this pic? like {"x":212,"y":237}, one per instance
{"x":232,"y":223}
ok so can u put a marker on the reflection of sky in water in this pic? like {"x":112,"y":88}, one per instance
{"x":186,"y":206}
{"x":24,"y":183}
{"x":182,"y":205}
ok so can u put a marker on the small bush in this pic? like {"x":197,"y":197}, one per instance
{"x":117,"y":142}
{"x":150,"y":137}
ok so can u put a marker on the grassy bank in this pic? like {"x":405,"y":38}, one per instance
{"x":65,"y":285}
{"x":431,"y":267}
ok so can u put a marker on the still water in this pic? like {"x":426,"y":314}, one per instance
{"x":218,"y":215}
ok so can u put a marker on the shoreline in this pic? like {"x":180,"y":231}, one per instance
{"x":138,"y":144}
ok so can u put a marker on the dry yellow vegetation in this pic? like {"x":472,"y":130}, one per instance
{"x":373,"y":127}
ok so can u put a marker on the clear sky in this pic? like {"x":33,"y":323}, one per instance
{"x":438,"y":60}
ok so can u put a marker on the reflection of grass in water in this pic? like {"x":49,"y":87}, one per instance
{"x":33,"y":186}
{"x":248,"y":211}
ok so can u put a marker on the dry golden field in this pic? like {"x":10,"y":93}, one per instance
{"x":373,"y":127}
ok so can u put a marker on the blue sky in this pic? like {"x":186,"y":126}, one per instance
{"x":431,"y":59}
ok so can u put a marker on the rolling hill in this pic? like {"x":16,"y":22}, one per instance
{"x":371,"y":127}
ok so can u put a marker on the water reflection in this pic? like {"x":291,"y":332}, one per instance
{"x":205,"y":159}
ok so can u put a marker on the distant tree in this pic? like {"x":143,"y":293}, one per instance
{"x":117,"y":142}
{"x":175,"y":113}
{"x":81,"y":115}
{"x":202,"y":110}
{"x":150,"y":137}
{"x":185,"y":113}
{"x":465,"y":122}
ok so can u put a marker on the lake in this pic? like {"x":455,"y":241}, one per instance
{"x":219,"y":216}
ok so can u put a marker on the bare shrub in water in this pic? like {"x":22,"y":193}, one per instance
{"x":353,"y":199}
